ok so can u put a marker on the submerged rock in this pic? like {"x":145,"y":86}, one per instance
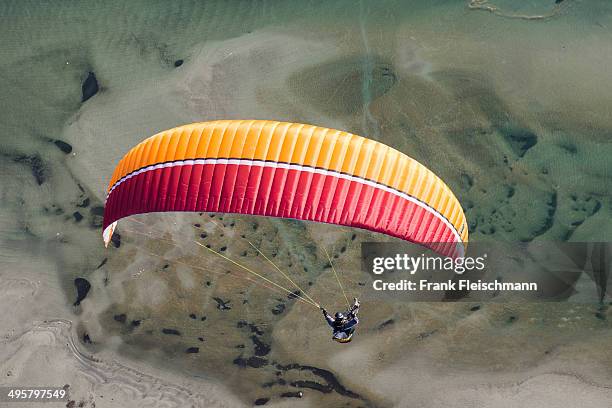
{"x":252,"y":326}
{"x":121,"y":318}
{"x":520,"y":140}
{"x":116,"y":240}
{"x":324,"y":388}
{"x":82,"y":287}
{"x":261,"y":348}
{"x":36,"y":165}
{"x":222,"y":304}
{"x":89,"y":87}
{"x":294,"y":295}
{"x":63,"y":146}
{"x":278,"y":309}
{"x":84,"y":203}
{"x":332,"y":382}
{"x":298,"y":394}
{"x":253,"y":362}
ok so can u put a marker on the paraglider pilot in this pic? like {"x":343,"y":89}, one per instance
{"x":343,"y":324}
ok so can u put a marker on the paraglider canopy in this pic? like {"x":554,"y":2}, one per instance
{"x":288,"y":170}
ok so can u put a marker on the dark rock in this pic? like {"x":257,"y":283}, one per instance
{"x":77,"y":216}
{"x":520,"y":140}
{"x":294,"y":294}
{"x":135,"y":323}
{"x":89,"y":87}
{"x":256,"y":362}
{"x":173,"y":332}
{"x":261,"y":348}
{"x":328,"y":376}
{"x":121,"y":318}
{"x":324,"y":388}
{"x":116,"y":240}
{"x":178,"y":63}
{"x":298,"y":394}
{"x":36,"y":165}
{"x":203,"y":318}
{"x":63,"y":146}
{"x":84,"y":203}
{"x":82,"y":287}
{"x":222,"y":304}
{"x":278,"y":381}
{"x":201,"y":338}
{"x":254,"y":329}
{"x":253,"y":362}
{"x":261,"y":401}
{"x":193,"y":316}
{"x":278,"y":309}
{"x":192,"y":350}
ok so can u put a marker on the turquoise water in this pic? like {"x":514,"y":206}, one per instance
{"x":511,"y":110}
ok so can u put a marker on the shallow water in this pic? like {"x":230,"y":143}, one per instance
{"x":512,"y":112}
